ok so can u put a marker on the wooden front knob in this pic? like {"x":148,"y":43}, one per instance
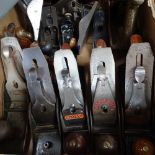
{"x":75,"y":144}
{"x":143,"y":146}
{"x":106,"y":144}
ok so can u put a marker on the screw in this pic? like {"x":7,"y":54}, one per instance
{"x":42,"y":108}
{"x":72,"y":109}
{"x":104,"y":108}
{"x":15,"y":84}
{"x":47,"y":145}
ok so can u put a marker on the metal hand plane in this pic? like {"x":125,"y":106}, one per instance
{"x":102,"y":68}
{"x":138,"y":83}
{"x":72,"y":104}
{"x":43,"y":116}
{"x":16,"y":97}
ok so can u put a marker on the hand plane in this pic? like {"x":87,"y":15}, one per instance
{"x":138,"y":83}
{"x":43,"y":115}
{"x":16,"y":97}
{"x":72,"y":109}
{"x":102,"y":71}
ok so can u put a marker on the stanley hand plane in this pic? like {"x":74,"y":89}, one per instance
{"x":16,"y":97}
{"x":72,"y":104}
{"x":43,"y":116}
{"x":72,"y":109}
{"x":138,"y":83}
{"x":102,"y":70}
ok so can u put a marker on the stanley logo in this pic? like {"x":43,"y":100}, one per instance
{"x":74,"y":116}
